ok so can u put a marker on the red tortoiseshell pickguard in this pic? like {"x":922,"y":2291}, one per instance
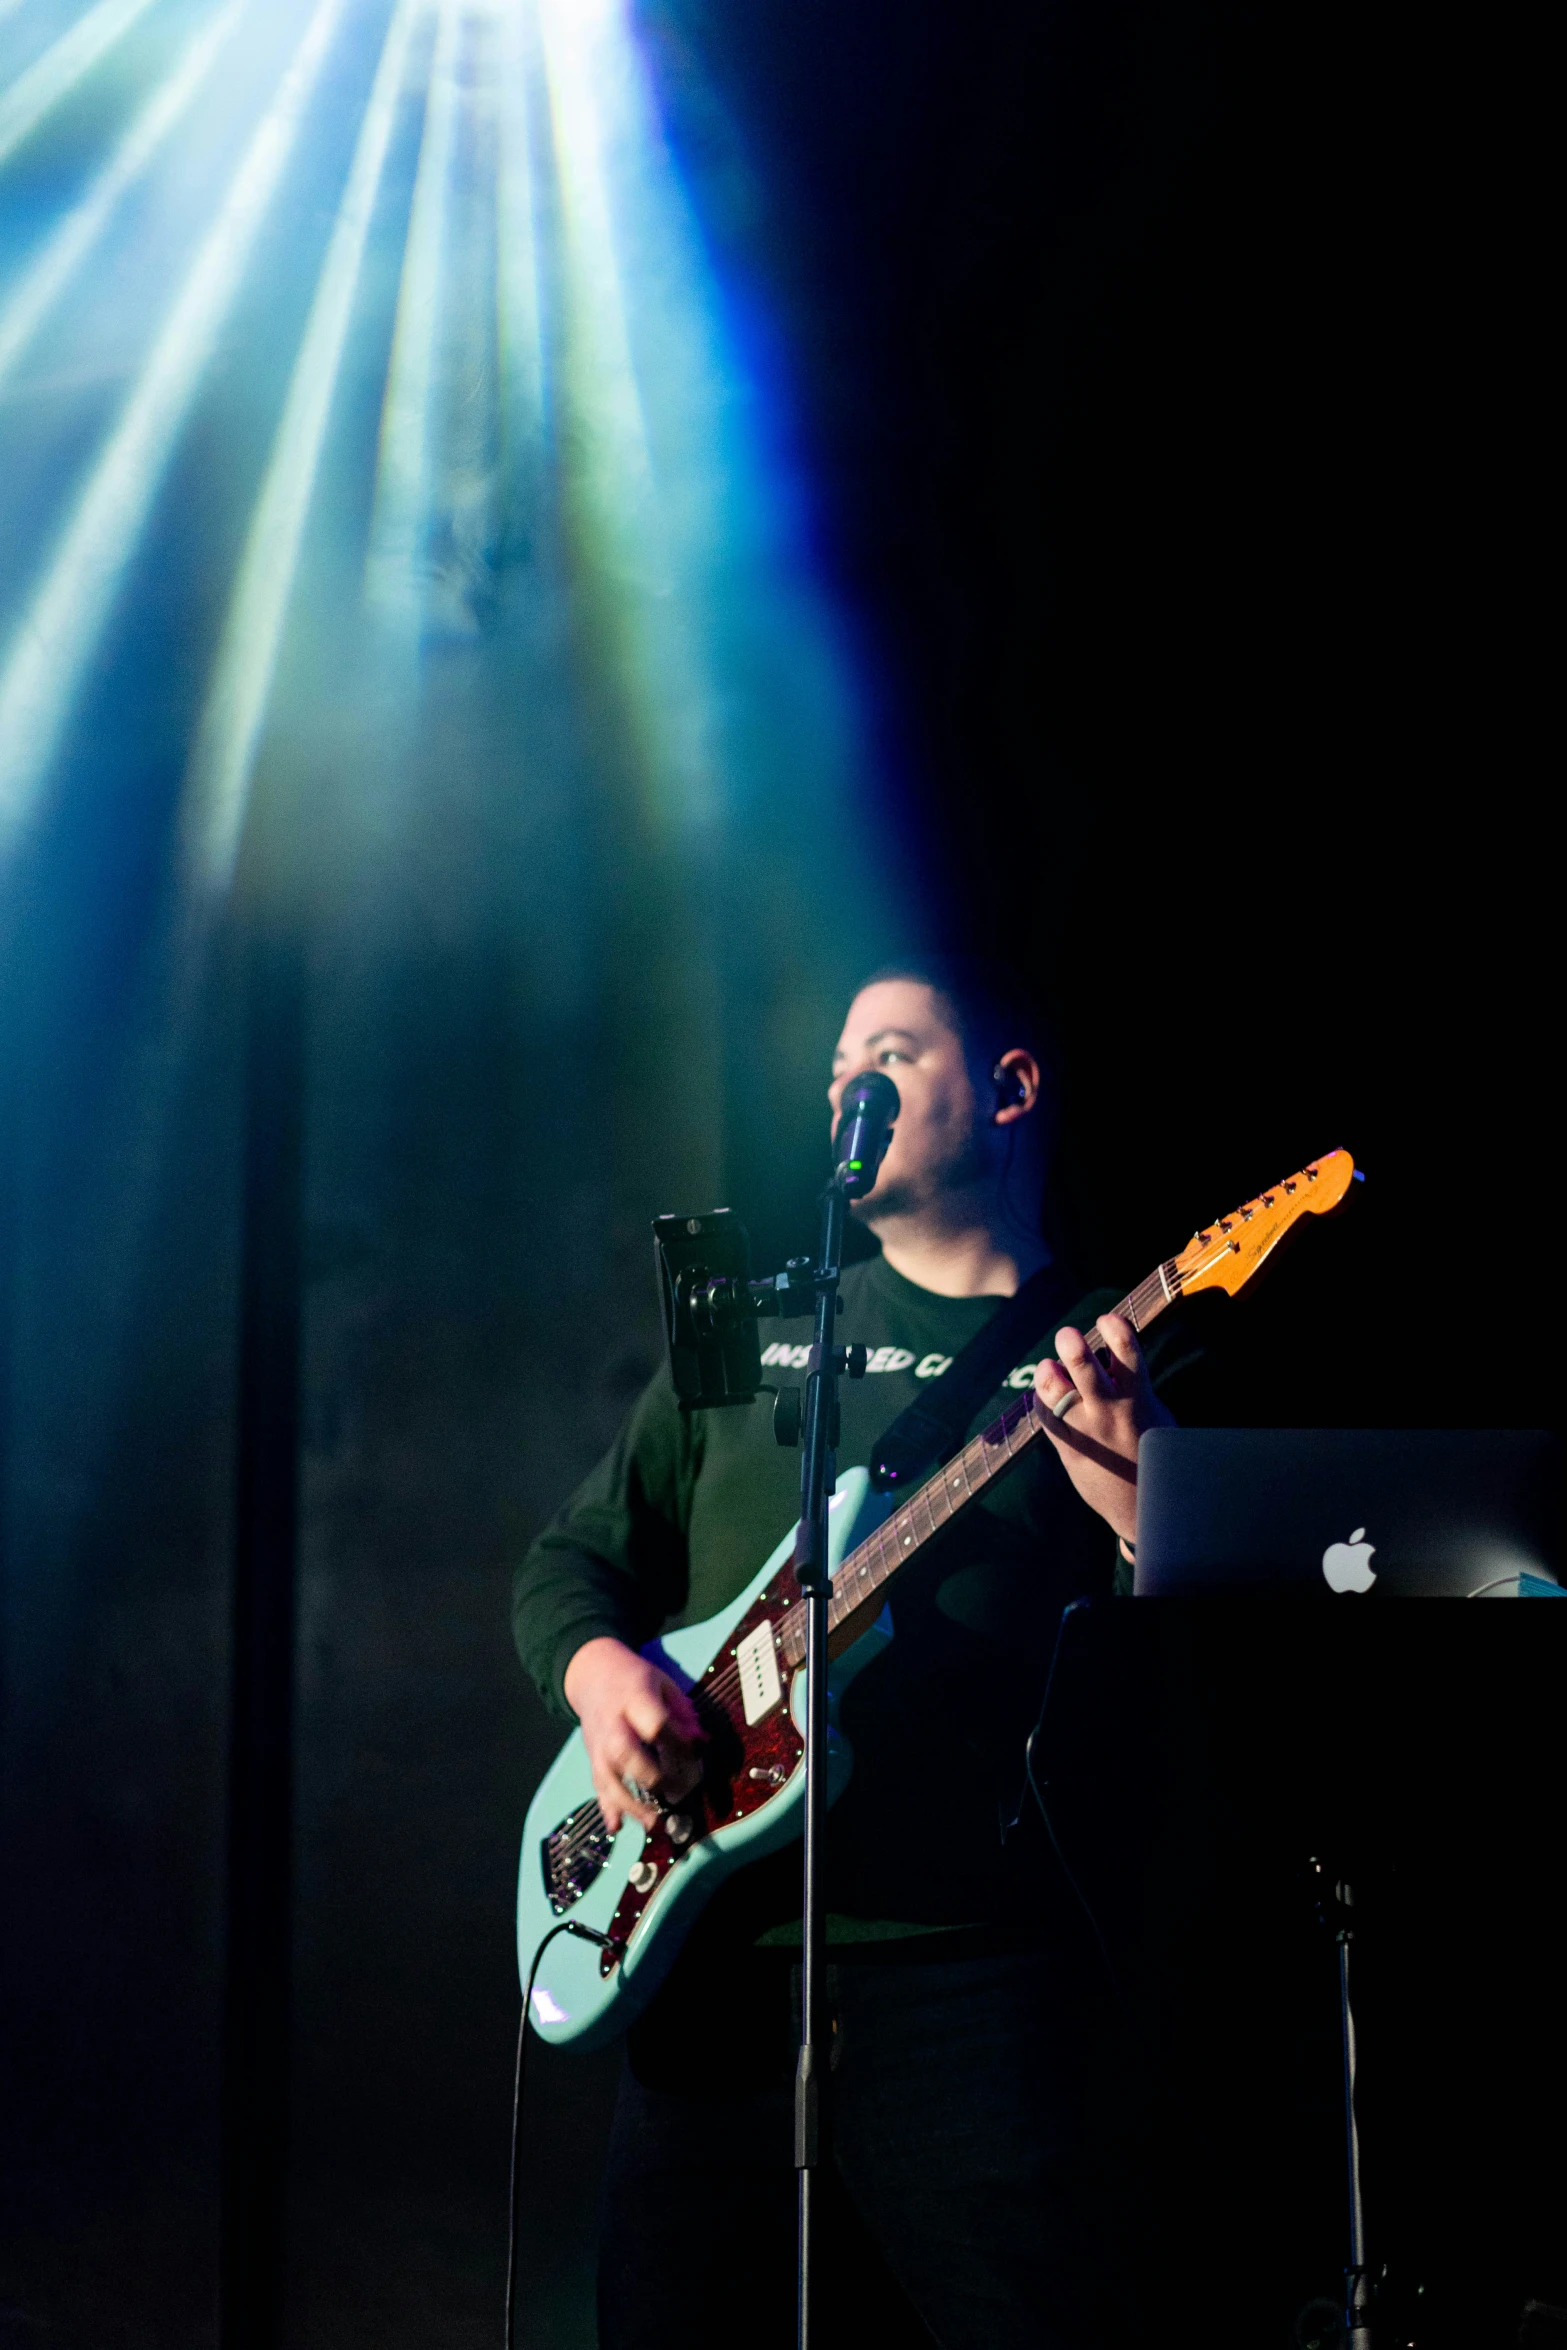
{"x":734,"y":1750}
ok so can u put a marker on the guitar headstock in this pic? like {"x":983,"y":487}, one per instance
{"x":1224,"y":1255}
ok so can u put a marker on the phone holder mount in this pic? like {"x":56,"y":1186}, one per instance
{"x":710,"y":1321}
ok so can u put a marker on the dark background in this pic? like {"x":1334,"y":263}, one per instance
{"x":1167,"y":381}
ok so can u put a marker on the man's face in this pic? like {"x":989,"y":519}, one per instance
{"x":901,"y":1026}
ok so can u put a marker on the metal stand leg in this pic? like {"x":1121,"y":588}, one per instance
{"x":1357,"y":2284}
{"x":811,"y":1569}
{"x":1335,"y":1907}
{"x":815,"y":2055}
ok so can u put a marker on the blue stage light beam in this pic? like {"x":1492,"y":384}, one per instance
{"x":62,"y":623}
{"x":67,"y":61}
{"x":522,"y":353}
{"x":587,"y":71}
{"x":671,"y":517}
{"x":218,"y":780}
{"x":396,"y":562}
{"x":49,"y":275}
{"x":559,"y":356}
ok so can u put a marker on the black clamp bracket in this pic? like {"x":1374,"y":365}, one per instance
{"x":848,"y":1362}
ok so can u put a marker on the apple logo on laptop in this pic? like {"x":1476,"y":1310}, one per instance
{"x":1347,"y":1565}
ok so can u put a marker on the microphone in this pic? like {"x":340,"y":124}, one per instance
{"x":864,"y":1129}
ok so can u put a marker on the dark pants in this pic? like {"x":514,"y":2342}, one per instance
{"x":955,"y":2210}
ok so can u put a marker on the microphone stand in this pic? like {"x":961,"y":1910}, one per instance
{"x":1335,"y":1907}
{"x":698,"y":1313}
{"x":818,"y":1465}
{"x":1357,"y":2287}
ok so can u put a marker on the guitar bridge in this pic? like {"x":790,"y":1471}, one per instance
{"x":573,"y":1854}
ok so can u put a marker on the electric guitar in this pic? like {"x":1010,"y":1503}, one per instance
{"x":745,"y":1672}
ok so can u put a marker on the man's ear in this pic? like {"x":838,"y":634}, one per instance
{"x":1016,"y":1079}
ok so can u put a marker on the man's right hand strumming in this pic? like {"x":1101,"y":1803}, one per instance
{"x":639,"y":1728}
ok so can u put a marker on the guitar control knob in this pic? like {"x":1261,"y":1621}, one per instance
{"x":677,"y":1827}
{"x":643,"y":1877}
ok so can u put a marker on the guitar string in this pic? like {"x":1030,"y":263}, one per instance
{"x":1141,"y":1305}
{"x":874,"y":1551}
{"x":976,"y":1456}
{"x":726,"y":1683}
{"x":1150,"y":1292}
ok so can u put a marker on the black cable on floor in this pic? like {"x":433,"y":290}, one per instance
{"x":583,"y":1934}
{"x":1038,"y":1786}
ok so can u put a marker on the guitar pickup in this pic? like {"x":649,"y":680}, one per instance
{"x":756,"y":1660}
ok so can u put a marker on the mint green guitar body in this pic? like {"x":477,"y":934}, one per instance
{"x":645,"y":1887}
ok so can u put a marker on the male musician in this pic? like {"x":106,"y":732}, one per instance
{"x":956,"y":1966}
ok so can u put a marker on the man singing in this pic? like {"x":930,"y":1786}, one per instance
{"x":958,"y":1981}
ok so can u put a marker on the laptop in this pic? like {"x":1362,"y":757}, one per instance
{"x":1349,"y":1513}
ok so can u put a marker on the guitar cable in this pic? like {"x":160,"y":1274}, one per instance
{"x":583,"y":1934}
{"x":1038,"y":1786}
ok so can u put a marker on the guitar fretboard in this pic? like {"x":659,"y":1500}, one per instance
{"x":933,"y":1505}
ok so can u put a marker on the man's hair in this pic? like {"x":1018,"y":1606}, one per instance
{"x":993,"y":1010}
